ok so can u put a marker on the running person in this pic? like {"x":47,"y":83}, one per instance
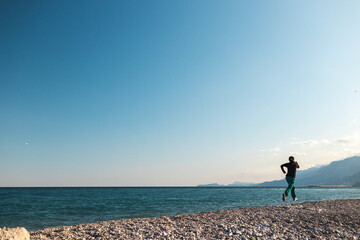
{"x":290,"y":177}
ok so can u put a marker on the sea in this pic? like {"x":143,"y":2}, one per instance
{"x":43,"y":207}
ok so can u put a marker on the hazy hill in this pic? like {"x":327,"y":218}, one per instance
{"x":241,"y":184}
{"x":342,"y":172}
{"x":235,"y":184}
{"x":211,"y":185}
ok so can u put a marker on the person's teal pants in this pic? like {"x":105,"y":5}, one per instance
{"x":291,"y":186}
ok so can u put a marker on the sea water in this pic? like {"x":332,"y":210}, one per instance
{"x":38,"y":208}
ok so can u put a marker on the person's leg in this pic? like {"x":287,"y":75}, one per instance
{"x":290,"y":181}
{"x":293,"y":192}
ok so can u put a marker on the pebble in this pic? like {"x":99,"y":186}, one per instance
{"x":312,"y":220}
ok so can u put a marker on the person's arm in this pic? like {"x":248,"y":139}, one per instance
{"x":297,"y":165}
{"x":282,"y":168}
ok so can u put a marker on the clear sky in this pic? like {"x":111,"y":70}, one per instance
{"x":175,"y":93}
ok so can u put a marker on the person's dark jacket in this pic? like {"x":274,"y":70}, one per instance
{"x":291,"y":168}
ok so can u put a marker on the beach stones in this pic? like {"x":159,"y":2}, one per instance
{"x":18,"y":233}
{"x":337,"y":219}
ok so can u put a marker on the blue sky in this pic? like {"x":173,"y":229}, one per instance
{"x":175,"y":93}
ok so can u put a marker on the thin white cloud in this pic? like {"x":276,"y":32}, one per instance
{"x":298,"y":153}
{"x":344,"y":141}
{"x":348,"y":140}
{"x":311,"y":143}
{"x":271,"y":150}
{"x":344,"y":153}
{"x":355,"y":139}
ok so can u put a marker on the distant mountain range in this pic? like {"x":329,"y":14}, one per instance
{"x":343,"y":172}
{"x":235,"y":184}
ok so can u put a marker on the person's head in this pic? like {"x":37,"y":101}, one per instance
{"x":291,"y":159}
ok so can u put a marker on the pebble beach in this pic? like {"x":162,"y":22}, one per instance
{"x":334,"y":219}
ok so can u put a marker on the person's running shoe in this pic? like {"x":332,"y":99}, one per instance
{"x":284,"y":197}
{"x":295,"y":199}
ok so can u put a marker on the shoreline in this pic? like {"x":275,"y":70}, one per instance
{"x":331,"y":219}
